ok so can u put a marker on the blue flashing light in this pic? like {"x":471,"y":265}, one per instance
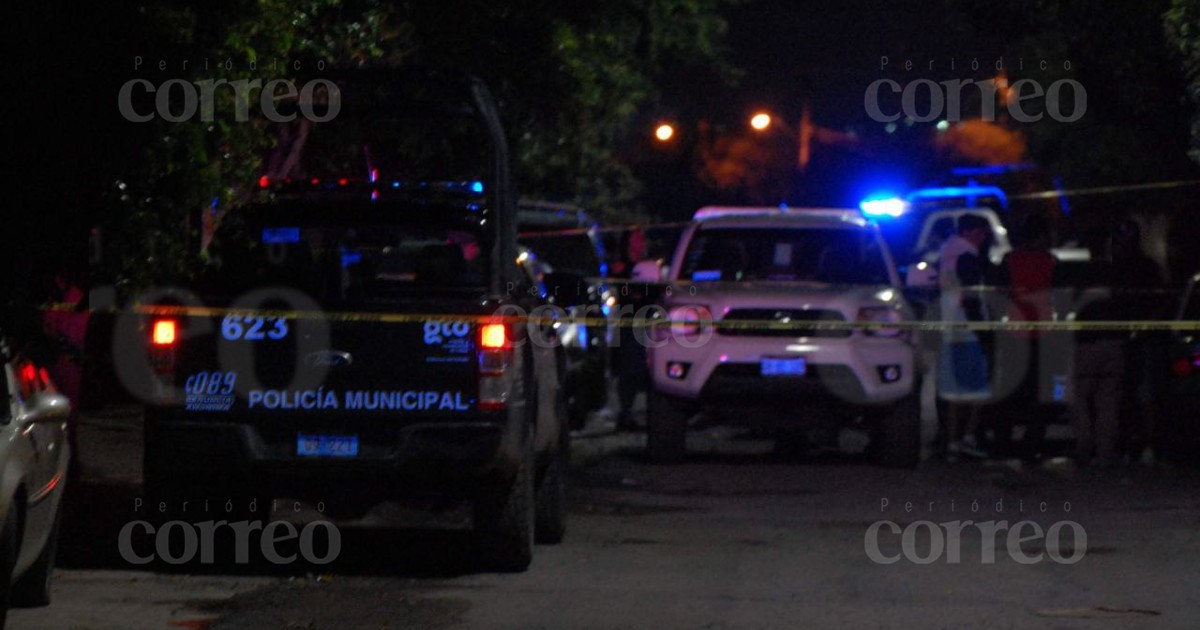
{"x":477,"y":187}
{"x":281,"y":235}
{"x":991,"y":169}
{"x":970,"y":193}
{"x":883,"y":205}
{"x":395,"y":184}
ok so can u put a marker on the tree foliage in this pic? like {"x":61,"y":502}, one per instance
{"x":570,"y":75}
{"x":1131,"y":131}
{"x":190,"y":171}
{"x":1182,"y":23}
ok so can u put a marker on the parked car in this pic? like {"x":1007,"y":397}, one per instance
{"x":34,"y":455}
{"x":758,"y":306}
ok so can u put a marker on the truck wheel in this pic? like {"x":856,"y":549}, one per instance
{"x":504,"y":521}
{"x":550,"y":523}
{"x":898,"y":435}
{"x":33,"y":589}
{"x":666,"y":429}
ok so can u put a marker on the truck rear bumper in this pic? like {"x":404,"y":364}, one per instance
{"x":243,"y":458}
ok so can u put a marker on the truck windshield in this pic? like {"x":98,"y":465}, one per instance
{"x":826,"y":255}
{"x":348,"y":264}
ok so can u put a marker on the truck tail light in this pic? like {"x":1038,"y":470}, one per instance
{"x":495,"y":361}
{"x":163,"y":341}
{"x":493,"y":337}
{"x":164,"y":332}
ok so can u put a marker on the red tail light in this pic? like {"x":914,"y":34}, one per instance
{"x":493,"y":337}
{"x":163,"y":339}
{"x":495,"y":357}
{"x":164,"y":332}
{"x":44,"y":376}
{"x":1182,"y":367}
{"x":29,"y":380}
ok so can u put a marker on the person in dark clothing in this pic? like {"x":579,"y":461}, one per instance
{"x":1116,"y":293}
{"x":1098,"y":372}
{"x":1027,"y":274}
{"x":1139,"y":281}
{"x":64,"y":321}
{"x":633,"y":375}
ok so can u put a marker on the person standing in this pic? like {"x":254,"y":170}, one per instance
{"x":962,"y":364}
{"x":1140,"y":288}
{"x":65,"y":322}
{"x":633,"y":375}
{"x":1098,"y":371}
{"x":1028,"y":274}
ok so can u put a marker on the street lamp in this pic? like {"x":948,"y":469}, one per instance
{"x":806,"y":133}
{"x":664,"y":132}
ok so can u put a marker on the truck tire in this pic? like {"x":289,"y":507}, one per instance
{"x":898,"y":435}
{"x":666,"y":429}
{"x":33,"y":588}
{"x":504,"y":521}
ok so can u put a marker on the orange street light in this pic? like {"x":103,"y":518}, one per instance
{"x":760,"y":121}
{"x":664,"y":132}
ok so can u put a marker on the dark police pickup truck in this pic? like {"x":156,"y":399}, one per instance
{"x":354,"y":350}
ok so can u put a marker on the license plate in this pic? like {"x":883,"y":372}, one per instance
{"x":793,"y":366}
{"x":326,"y":445}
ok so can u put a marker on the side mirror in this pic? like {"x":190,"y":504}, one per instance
{"x":46,"y":407}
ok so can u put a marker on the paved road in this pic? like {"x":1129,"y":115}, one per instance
{"x":739,"y":537}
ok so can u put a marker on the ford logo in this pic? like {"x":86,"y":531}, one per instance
{"x":329,"y":358}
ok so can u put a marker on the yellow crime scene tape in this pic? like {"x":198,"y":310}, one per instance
{"x":564,"y":317}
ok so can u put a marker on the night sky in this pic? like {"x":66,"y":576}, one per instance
{"x":826,"y":51}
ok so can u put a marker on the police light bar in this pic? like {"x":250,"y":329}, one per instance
{"x":883,"y":206}
{"x":991,"y":169}
{"x":970,"y":193}
{"x":837,"y":214}
{"x":713,"y":212}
